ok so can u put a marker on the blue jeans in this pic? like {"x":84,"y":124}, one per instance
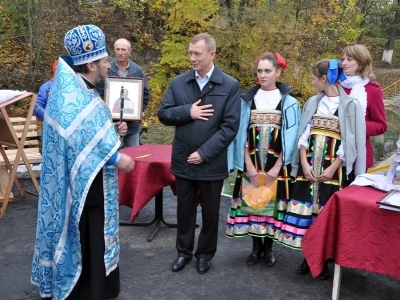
{"x":131,"y":139}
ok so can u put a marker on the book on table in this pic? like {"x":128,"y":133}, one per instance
{"x":390,"y":201}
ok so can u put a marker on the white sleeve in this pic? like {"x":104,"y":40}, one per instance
{"x":340,"y":152}
{"x":303,"y":140}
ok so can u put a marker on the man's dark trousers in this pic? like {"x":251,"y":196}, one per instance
{"x":189,"y":193}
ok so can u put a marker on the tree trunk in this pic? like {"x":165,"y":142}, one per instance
{"x":389,"y":46}
{"x":229,"y":4}
{"x":365,"y":6}
{"x":271,"y":3}
{"x":119,"y":14}
{"x":30,"y":21}
{"x":242,"y":5}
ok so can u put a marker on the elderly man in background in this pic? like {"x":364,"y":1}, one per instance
{"x":77,"y":248}
{"x":122,"y":66}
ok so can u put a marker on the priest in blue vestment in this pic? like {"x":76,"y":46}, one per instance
{"x":77,"y":248}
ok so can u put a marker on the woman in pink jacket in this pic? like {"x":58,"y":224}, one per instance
{"x":357,"y":65}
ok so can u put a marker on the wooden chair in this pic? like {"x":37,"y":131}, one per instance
{"x":16,"y":150}
{"x":31,"y":149}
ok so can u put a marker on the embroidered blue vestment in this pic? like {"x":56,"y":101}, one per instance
{"x":78,"y":139}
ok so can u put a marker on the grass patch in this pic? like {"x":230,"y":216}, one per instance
{"x":158,"y":133}
{"x":227,"y":189}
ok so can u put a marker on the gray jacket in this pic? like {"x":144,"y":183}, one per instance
{"x":134,"y":71}
{"x":352,"y":131}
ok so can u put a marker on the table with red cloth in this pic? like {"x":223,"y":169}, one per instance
{"x":147,"y":180}
{"x":356,"y":233}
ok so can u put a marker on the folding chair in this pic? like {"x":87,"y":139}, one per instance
{"x":8,"y":138}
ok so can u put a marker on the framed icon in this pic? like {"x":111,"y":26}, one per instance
{"x":127,"y":91}
{"x":391,"y":200}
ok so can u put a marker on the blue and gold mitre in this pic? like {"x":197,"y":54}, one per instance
{"x":85,"y":44}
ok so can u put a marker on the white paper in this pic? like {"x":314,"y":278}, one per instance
{"x":377,"y":181}
{"x":381,"y":184}
{"x":6,"y":95}
{"x":367,"y":179}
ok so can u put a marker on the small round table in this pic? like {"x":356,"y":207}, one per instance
{"x":147,"y":180}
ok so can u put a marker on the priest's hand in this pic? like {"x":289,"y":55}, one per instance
{"x":125,"y":163}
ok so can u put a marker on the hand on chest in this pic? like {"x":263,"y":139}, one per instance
{"x":210,"y":94}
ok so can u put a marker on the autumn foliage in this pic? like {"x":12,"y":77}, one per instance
{"x":32,"y":36}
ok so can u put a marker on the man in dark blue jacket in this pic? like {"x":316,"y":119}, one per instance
{"x":122,"y":66}
{"x":204,"y":106}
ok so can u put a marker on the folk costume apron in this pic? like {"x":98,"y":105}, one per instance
{"x":308,"y":199}
{"x":264,"y":146}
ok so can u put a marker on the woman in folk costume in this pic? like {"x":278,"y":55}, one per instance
{"x":76,"y":252}
{"x":331,"y":143}
{"x":357,"y":65}
{"x":265,"y":142}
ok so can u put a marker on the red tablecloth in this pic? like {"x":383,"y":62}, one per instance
{"x":356,"y":233}
{"x":150,"y":175}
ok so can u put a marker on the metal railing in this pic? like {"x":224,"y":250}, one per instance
{"x":391,"y":90}
{"x":384,"y":145}
{"x":392,"y":120}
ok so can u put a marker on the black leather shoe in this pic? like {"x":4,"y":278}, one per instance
{"x":325,"y":272}
{"x":269,"y":258}
{"x":303,"y":268}
{"x":203,"y":265}
{"x":179,"y":263}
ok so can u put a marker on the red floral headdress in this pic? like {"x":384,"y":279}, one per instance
{"x":281,"y":61}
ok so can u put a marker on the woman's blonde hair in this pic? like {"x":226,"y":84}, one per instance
{"x":362,"y":56}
